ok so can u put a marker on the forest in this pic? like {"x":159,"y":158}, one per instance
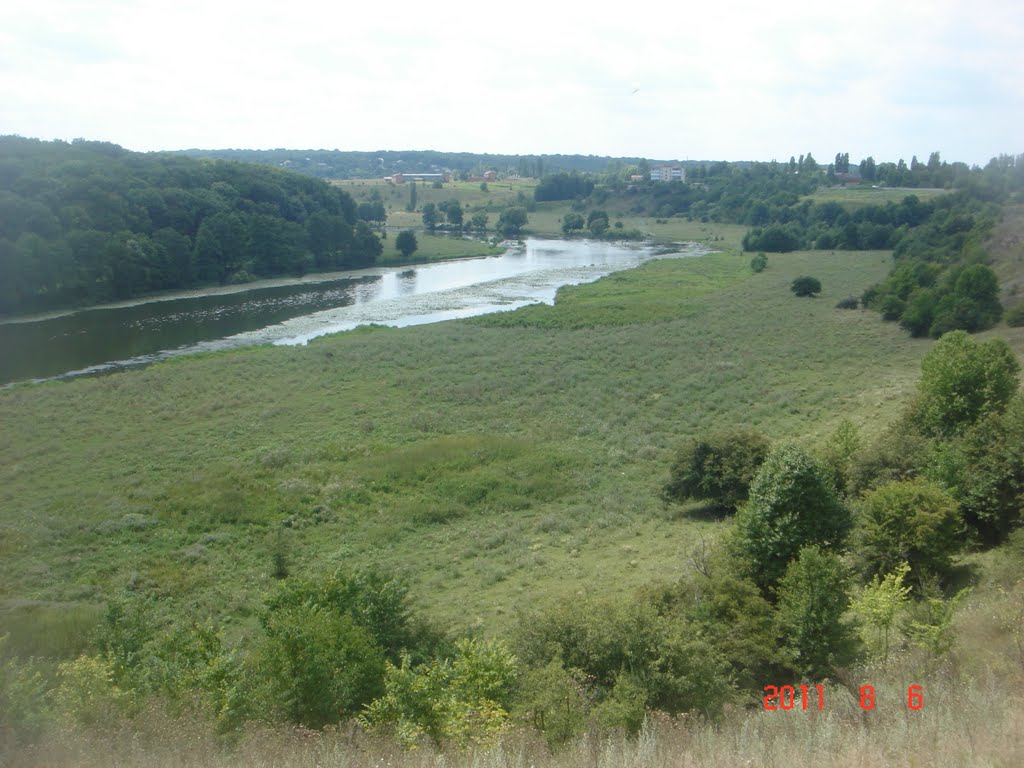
{"x":89,"y":222}
{"x":338,"y":164}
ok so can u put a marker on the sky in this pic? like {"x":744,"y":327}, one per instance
{"x":718,"y":80}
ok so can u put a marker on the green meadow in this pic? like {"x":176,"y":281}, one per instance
{"x":860,"y":196}
{"x":497,"y":463}
{"x":436,"y":248}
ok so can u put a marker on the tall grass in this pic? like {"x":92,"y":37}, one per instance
{"x":964,"y":722}
{"x":556,"y":422}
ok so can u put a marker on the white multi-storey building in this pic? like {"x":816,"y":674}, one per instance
{"x":668,"y":173}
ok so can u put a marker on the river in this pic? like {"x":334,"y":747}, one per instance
{"x":103,"y":339}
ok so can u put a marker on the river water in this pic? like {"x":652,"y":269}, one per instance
{"x":112,"y":338}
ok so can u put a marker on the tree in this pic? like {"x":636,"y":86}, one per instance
{"x":372,"y":211}
{"x":914,"y":522}
{"x":406,"y":243}
{"x":412,"y":197}
{"x":806,"y":286}
{"x":572,"y":222}
{"x":479,"y":221}
{"x":759,"y":262}
{"x":718,"y":468}
{"x":972,"y":304}
{"x":792,"y":504}
{"x":984,"y":470}
{"x":430,"y":216}
{"x":813,"y":596}
{"x":962,"y":381}
{"x":868,"y":169}
{"x":366,"y":246}
{"x":452,"y":209}
{"x":878,"y":604}
{"x":512,"y":220}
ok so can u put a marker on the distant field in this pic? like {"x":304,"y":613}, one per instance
{"x":498,"y":463}
{"x":858,"y":197}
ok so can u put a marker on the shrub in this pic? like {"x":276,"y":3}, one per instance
{"x":878,"y":604}
{"x":675,"y":665}
{"x":1015,"y":316}
{"x":792,"y":504}
{"x":759,"y":262}
{"x":914,"y":522}
{"x":839,"y":453}
{"x":22,"y":696}
{"x":962,"y":381}
{"x":806,"y":286}
{"x":813,"y":596}
{"x":899,"y":453}
{"x":985,"y":472}
{"x":554,"y":700}
{"x":319,"y":665}
{"x":731,"y":609}
{"x":87,"y":693}
{"x":850,"y":302}
{"x":463,"y":700}
{"x":717,"y":468}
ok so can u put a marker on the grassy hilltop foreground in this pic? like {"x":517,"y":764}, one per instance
{"x":498,"y":464}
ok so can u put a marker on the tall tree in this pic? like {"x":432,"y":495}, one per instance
{"x":792,"y":503}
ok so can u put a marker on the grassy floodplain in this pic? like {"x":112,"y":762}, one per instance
{"x":497,"y":462}
{"x":436,"y":248}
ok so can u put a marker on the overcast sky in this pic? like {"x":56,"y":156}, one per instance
{"x":720,"y":79}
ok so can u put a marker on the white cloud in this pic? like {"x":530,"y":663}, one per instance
{"x":730,"y":80}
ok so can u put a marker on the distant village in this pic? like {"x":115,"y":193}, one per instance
{"x":658,"y":173}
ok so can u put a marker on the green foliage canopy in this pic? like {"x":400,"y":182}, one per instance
{"x":806,"y":286}
{"x":406,"y":243}
{"x":914,"y":522}
{"x":813,"y":596}
{"x":962,"y":381}
{"x":87,"y":222}
{"x":792,"y":504}
{"x":718,"y":467}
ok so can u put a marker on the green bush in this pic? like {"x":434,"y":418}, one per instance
{"x":985,"y":471}
{"x":731,"y":609}
{"x":318,"y":665}
{"x":23,"y":699}
{"x":806,"y":286}
{"x":899,"y":453}
{"x":465,"y":700}
{"x":554,"y":700}
{"x":792,"y":504}
{"x":913,"y":522}
{"x":813,"y":596}
{"x":1015,"y":316}
{"x":677,"y":668}
{"x":718,"y":468}
{"x":759,"y":262}
{"x":962,"y":381}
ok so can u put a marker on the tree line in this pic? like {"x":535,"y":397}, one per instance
{"x":89,"y":222}
{"x":939,"y":280}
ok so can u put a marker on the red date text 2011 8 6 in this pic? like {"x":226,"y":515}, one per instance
{"x":786,"y":697}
